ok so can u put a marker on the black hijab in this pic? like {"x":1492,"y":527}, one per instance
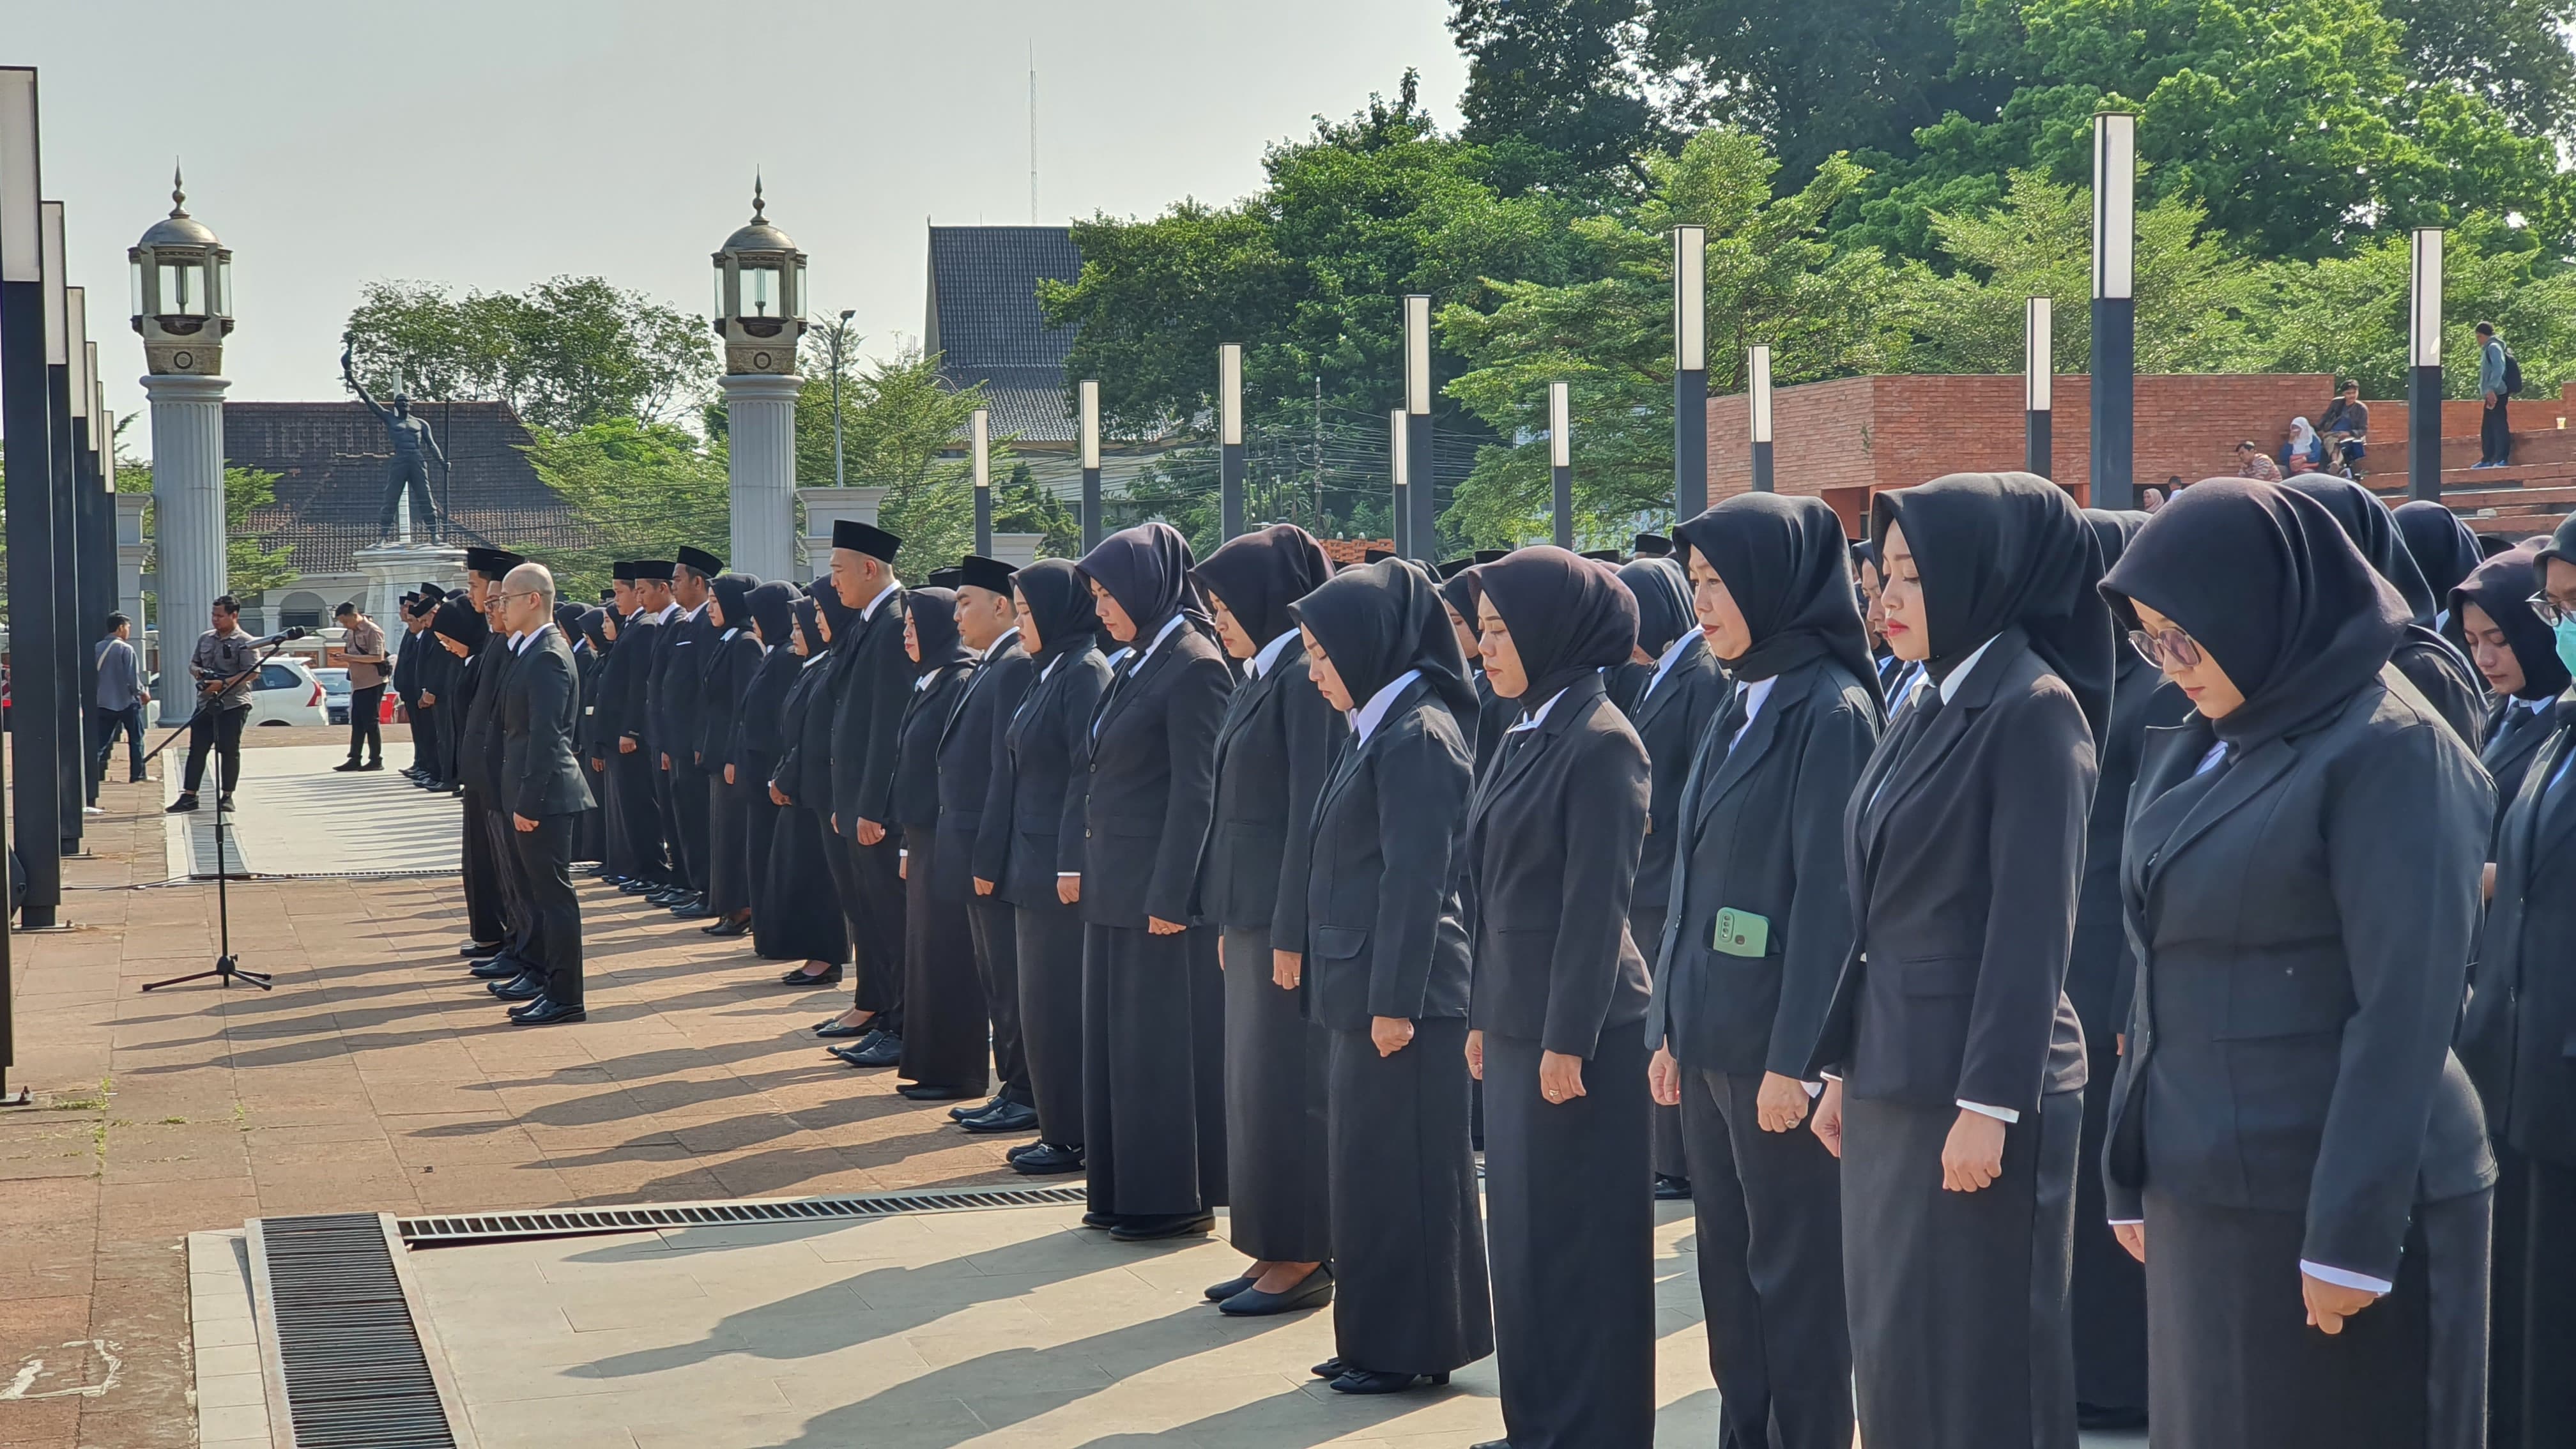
{"x":459,"y":620}
{"x":2502,"y":586}
{"x":2266,"y":581}
{"x":1998,"y":549}
{"x":1060,"y":605}
{"x":2113,"y":528}
{"x":568,"y":619}
{"x":1568,"y":616}
{"x":808,"y":619}
{"x":1663,"y":603}
{"x":1782,"y":556}
{"x":773,"y":607}
{"x":2444,"y":549}
{"x":1261,"y":573}
{"x":731,"y":590}
{"x":1147,"y":570}
{"x":593,"y":625}
{"x":1381,"y":619}
{"x":933,"y":613}
{"x":2373,"y":530}
{"x":841,"y":618}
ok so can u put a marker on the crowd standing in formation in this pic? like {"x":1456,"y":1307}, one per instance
{"x":2046,"y":1028}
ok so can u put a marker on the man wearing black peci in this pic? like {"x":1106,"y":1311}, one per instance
{"x":675,"y":692}
{"x":542,"y":793}
{"x":874,"y":687}
{"x":492,"y":894}
{"x":637,"y":768}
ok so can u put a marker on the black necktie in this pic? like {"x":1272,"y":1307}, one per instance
{"x":2516,"y":720}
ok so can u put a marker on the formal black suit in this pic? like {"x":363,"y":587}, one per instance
{"x":2514,"y":733}
{"x":1551,"y":863}
{"x":1385,"y":938}
{"x":675,"y":695}
{"x":589,"y":832}
{"x":1038,"y":796}
{"x":1153,"y":1011}
{"x":1965,"y":847}
{"x":757,"y":743}
{"x":1758,"y":828}
{"x":2288,"y":1095}
{"x":796,"y":914}
{"x":643,"y":807}
{"x":1273,"y":751}
{"x":2449,"y":683}
{"x":730,"y":659}
{"x":946,"y":1032}
{"x":973,"y":761}
{"x":872,"y":681}
{"x":494,"y":894}
{"x":2519,"y":1042}
{"x":1670,"y":716}
{"x":541,"y":780}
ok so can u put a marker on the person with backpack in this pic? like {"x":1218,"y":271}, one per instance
{"x":2499,"y":378}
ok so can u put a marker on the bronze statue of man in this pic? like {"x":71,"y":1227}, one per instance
{"x":413,"y":448}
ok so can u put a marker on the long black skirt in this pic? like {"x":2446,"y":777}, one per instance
{"x":1410,"y":1292}
{"x":2232,"y":1364}
{"x":1570,"y":1210}
{"x":2107,"y":1302}
{"x":2531,"y":1392}
{"x":1958,"y":1299}
{"x":589,"y":836}
{"x":1671,"y":1158}
{"x":1279,"y":1204}
{"x":1141,"y":1056}
{"x":759,"y":837}
{"x":728,"y":847}
{"x":946,"y":1037}
{"x":1049,"y":941}
{"x":795,"y":907}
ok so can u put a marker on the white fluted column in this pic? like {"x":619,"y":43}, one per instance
{"x":760,"y":426}
{"x":187,"y":520}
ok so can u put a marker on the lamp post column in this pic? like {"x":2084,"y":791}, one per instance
{"x":2039,"y":432}
{"x":1090,"y":420}
{"x":981,"y":426}
{"x":760,"y":420}
{"x":2424,"y":370}
{"x":1560,"y":462}
{"x":2115,"y":309}
{"x":69,"y":786}
{"x":1400,"y":514}
{"x":1757,"y":405}
{"x":1690,"y":372}
{"x":187,"y":520}
{"x":1423,"y":523}
{"x":1229,"y":441}
{"x":28,"y":422}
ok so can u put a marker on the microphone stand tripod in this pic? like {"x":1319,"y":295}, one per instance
{"x":227,"y":968}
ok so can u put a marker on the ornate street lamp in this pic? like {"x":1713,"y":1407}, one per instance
{"x":182,"y":290}
{"x":760,"y":296}
{"x":760,"y":314}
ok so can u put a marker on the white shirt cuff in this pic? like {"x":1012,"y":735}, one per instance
{"x":2000,"y":1114}
{"x":1831,"y":1076}
{"x":1068,"y":875}
{"x":2343,"y":1278}
{"x":1814,"y":1089}
{"x":2128,"y":1222}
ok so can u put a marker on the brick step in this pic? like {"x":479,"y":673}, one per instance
{"x":2542,"y":445}
{"x":2516,"y":526}
{"x":2391,"y":483}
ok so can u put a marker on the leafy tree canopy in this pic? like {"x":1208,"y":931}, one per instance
{"x":565,"y":354}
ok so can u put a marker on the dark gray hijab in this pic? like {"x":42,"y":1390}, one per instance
{"x":1379,"y":620}
{"x":1783,"y":558}
{"x":1568,"y":615}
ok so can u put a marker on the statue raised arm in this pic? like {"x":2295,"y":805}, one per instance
{"x":413,"y":446}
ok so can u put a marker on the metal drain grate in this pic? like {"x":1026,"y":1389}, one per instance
{"x":345,"y":1345}
{"x":573,"y":1222}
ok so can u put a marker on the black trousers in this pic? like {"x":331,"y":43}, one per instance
{"x":482,"y":873}
{"x":1049,"y":937}
{"x":544,"y":873}
{"x":631,"y":778}
{"x":2531,"y":1396}
{"x":993,"y":925}
{"x":104,"y":723}
{"x":518,"y":920}
{"x":424,"y":736}
{"x":364,"y":728}
{"x":220,"y":730}
{"x":2495,"y":434}
{"x":1769,"y":1213}
{"x":692,"y":834}
{"x":878,"y":927}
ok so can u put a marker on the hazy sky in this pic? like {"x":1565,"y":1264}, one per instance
{"x":491,"y":145}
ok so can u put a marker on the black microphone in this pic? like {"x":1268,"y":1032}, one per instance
{"x":281,"y":637}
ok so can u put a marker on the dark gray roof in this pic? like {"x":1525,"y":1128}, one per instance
{"x":983,"y":321}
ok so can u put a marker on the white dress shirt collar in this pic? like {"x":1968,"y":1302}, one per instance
{"x":667,"y":611}
{"x":1755,"y":692}
{"x":519,"y":642}
{"x":1366,"y":718}
{"x":1959,"y":675}
{"x":1269,"y":655}
{"x":1538,"y":716}
{"x":868,"y":611}
{"x":1147,"y":652}
{"x":1664,"y":665}
{"x":998,"y":645}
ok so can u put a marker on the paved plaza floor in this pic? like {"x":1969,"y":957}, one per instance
{"x":376,"y":1079}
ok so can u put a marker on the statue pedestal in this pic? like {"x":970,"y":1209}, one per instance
{"x":824,"y":506}
{"x":1019,"y":550}
{"x":394,"y":569}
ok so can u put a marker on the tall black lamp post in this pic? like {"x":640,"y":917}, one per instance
{"x":2115,"y":309}
{"x":2038,"y":427}
{"x":2424,"y":374}
{"x":1560,"y":461}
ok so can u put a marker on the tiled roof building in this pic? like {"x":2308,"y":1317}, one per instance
{"x":982,"y":323}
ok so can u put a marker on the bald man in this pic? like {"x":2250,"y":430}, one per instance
{"x":542,"y":788}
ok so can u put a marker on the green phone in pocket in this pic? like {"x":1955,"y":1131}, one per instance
{"x":1740,"y":933}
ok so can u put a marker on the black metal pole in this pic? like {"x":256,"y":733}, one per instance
{"x":1690,"y":443}
{"x":70,"y":779}
{"x":1229,"y":486}
{"x":984,"y":521}
{"x":33,"y":684}
{"x":1561,"y":481}
{"x":2115,"y":364}
{"x":1424,"y":532}
{"x":1090,"y":508}
{"x":2039,"y":445}
{"x":1761,"y":468}
{"x":2424,"y":432}
{"x":1399,"y":457}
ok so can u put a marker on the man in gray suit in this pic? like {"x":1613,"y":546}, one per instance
{"x":542,"y":788}
{"x":119,"y":704}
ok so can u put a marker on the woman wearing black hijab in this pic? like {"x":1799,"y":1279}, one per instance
{"x":463,"y":631}
{"x":800,"y":918}
{"x":1038,"y":788}
{"x":1684,"y":690}
{"x":758,"y":740}
{"x":2108,"y":1299}
{"x":1153,"y":1010}
{"x":2517,"y":656}
{"x":1272,"y":753}
{"x":2522,"y":1015}
{"x":1458,"y":604}
{"x":2444,"y":549}
{"x":1385,"y":978}
{"x":726,"y":678}
{"x":1954,"y":1056}
{"x":2291,"y":1138}
{"x":2428,"y":660}
{"x":1560,"y":990}
{"x":1738,"y":1000}
{"x":946,"y":1031}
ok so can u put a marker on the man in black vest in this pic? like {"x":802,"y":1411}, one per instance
{"x":542,"y":792}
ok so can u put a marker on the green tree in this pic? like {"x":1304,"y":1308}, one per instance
{"x":643,"y":490}
{"x":249,"y":568}
{"x":565,"y":354}
{"x":2348,"y":315}
{"x":1772,"y":278}
{"x":2513,"y":54}
{"x":1560,"y":75}
{"x":904,"y":430}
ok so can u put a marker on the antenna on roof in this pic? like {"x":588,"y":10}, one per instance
{"x":1033,"y":133}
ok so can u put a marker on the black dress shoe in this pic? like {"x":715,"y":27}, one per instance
{"x":666,"y":895}
{"x":796,"y":976}
{"x":1371,"y":1381}
{"x":527,"y":986}
{"x":927,"y":1092}
{"x":548,"y":1012}
{"x":1331,"y":1368}
{"x":1219,"y":1292}
{"x":1671,"y":1189}
{"x":186,"y":804}
{"x":833,"y":1031}
{"x":960,"y":1114}
{"x":1163,"y":1225}
{"x":1008,"y":1117}
{"x":637,"y":887}
{"x":472,"y":949}
{"x":1102,"y":1220}
{"x":738,"y":926}
{"x":344,"y":769}
{"x":693,"y":909}
{"x":1313,"y":1291}
{"x":878,"y":1049}
{"x":1023,"y":1150}
{"x":1493,"y":1444}
{"x":1048,"y":1159}
{"x":499,"y":968}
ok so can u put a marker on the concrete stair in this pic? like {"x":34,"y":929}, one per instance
{"x":2528,"y":496}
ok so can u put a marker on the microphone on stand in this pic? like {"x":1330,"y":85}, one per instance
{"x":281,"y":637}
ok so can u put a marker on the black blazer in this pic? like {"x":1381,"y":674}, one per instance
{"x":2519,"y":1040}
{"x":540,"y":706}
{"x":1492,"y":718}
{"x":1760,"y":829}
{"x":1037,"y":790}
{"x":2448,"y":681}
{"x":629,"y":686}
{"x":1965,"y":841}
{"x":972,"y":759}
{"x":1384,"y":935}
{"x":678,"y":672}
{"x":759,"y":735}
{"x":916,"y":768}
{"x":729,"y":661}
{"x":2101,"y":970}
{"x":2514,"y":740}
{"x":478,"y":756}
{"x":2303,"y":920}
{"x":1150,"y":787}
{"x":872,"y":684}
{"x":1273,"y":750}
{"x":1552,"y":847}
{"x":1670,"y":721}
{"x":804,"y":770}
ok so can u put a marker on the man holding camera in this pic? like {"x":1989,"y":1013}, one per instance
{"x":225,"y":664}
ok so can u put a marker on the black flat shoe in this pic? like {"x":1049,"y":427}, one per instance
{"x":1313,"y":1291}
{"x":638,"y":887}
{"x":832,"y":1030}
{"x":1009,"y":1117}
{"x":1023,"y":1150}
{"x":739,"y":926}
{"x":186,"y":804}
{"x":1048,"y":1159}
{"x":1163,"y":1225}
{"x":1102,"y":1220}
{"x":798,"y":976}
{"x":352,"y":765}
{"x":550,"y":1013}
{"x":693,"y":909}
{"x":1370,"y":1381}
{"x":960,"y":1114}
{"x":1331,"y":1368}
{"x":498,"y":968}
{"x":1219,"y":1292}
{"x":877,"y":1050}
{"x":925,"y":1092}
{"x":1671,"y":1189}
{"x":472,"y":950}
{"x":528,"y":986}
{"x":664,"y":895}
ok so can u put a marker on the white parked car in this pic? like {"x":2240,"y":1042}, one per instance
{"x":286,"y":693}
